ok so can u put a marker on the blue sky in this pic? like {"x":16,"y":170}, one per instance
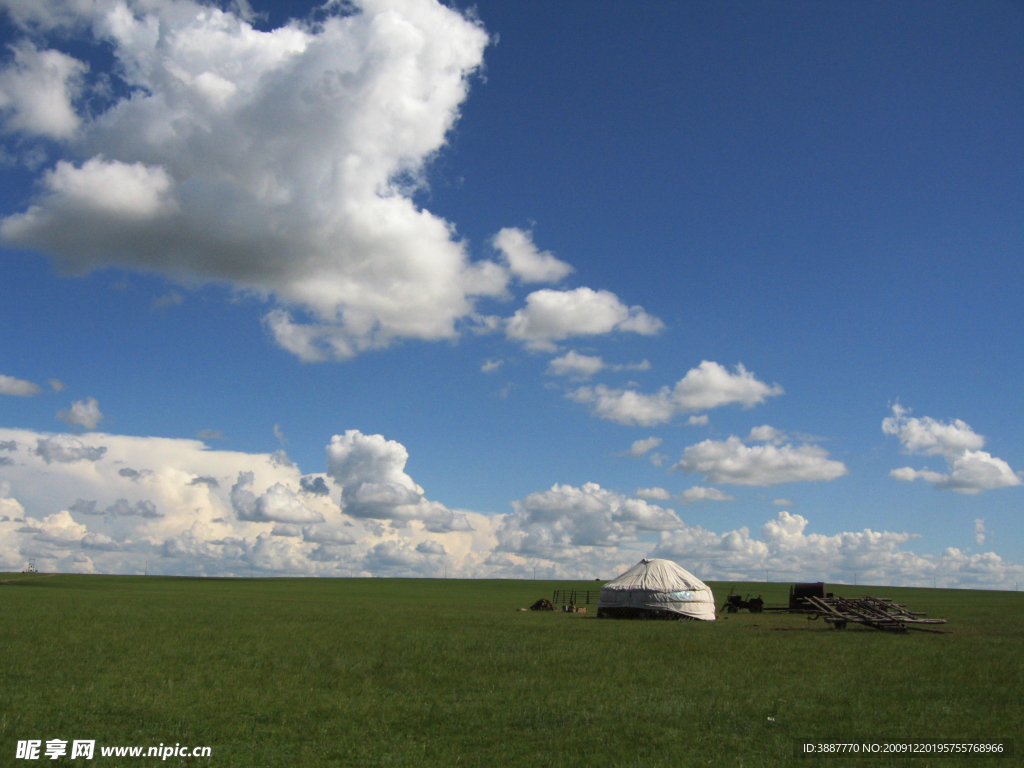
{"x":561,"y":285}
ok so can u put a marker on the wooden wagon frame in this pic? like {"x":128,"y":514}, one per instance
{"x":876,"y":612}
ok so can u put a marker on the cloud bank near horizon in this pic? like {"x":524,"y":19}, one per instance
{"x":116,"y":504}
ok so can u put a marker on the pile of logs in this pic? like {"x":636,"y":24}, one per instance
{"x":877,"y":612}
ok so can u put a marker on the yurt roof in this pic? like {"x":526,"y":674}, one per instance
{"x":657,"y":575}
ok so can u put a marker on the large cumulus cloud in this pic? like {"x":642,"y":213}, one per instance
{"x":187,"y":509}
{"x":371,"y":472}
{"x":277,"y":504}
{"x":280,"y":161}
{"x":557,"y":523}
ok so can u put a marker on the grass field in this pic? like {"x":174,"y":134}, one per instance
{"x":382,"y":672}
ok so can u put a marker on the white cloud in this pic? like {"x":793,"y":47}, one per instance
{"x":56,"y":384}
{"x":787,"y":551}
{"x":709,"y":385}
{"x":767,"y":434}
{"x":550,"y":316}
{"x":324,"y":535}
{"x":548,"y":536}
{"x":93,"y":540}
{"x":656,"y":493}
{"x":643,"y":365}
{"x":640,"y":447}
{"x":556,"y":524}
{"x":77,"y":515}
{"x":700,"y":493}
{"x":784,"y":548}
{"x":525,"y":261}
{"x":141,"y":508}
{"x":279,"y":434}
{"x":929,"y":436}
{"x":12,"y":386}
{"x":277,"y":504}
{"x":627,"y":406}
{"x":371,"y":472}
{"x":281,"y":162}
{"x":37,"y":90}
{"x":782,"y":503}
{"x":84,"y":413}
{"x":575,"y":365}
{"x":399,"y":557}
{"x":971,"y":470}
{"x":698,"y":421}
{"x":103,"y":188}
{"x":730,"y":461}
{"x":490,"y":366}
{"x":58,"y":530}
{"x":979,"y":532}
{"x":431,"y":547}
{"x":581,"y":367}
{"x":248,"y":511}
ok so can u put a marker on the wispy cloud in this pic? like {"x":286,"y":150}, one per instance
{"x":18,"y":387}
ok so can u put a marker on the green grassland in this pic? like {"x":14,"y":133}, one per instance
{"x":420,"y":672}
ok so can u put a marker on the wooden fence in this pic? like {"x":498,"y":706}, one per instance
{"x":576,"y":596}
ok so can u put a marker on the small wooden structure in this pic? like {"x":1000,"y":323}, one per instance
{"x":798,"y":594}
{"x":876,"y":612}
{"x":576,"y":596}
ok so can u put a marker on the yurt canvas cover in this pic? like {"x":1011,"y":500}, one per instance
{"x":658,"y":585}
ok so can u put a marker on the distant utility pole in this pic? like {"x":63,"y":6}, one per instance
{"x":535,"y":574}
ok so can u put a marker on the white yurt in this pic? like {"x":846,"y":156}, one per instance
{"x":657,"y":589}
